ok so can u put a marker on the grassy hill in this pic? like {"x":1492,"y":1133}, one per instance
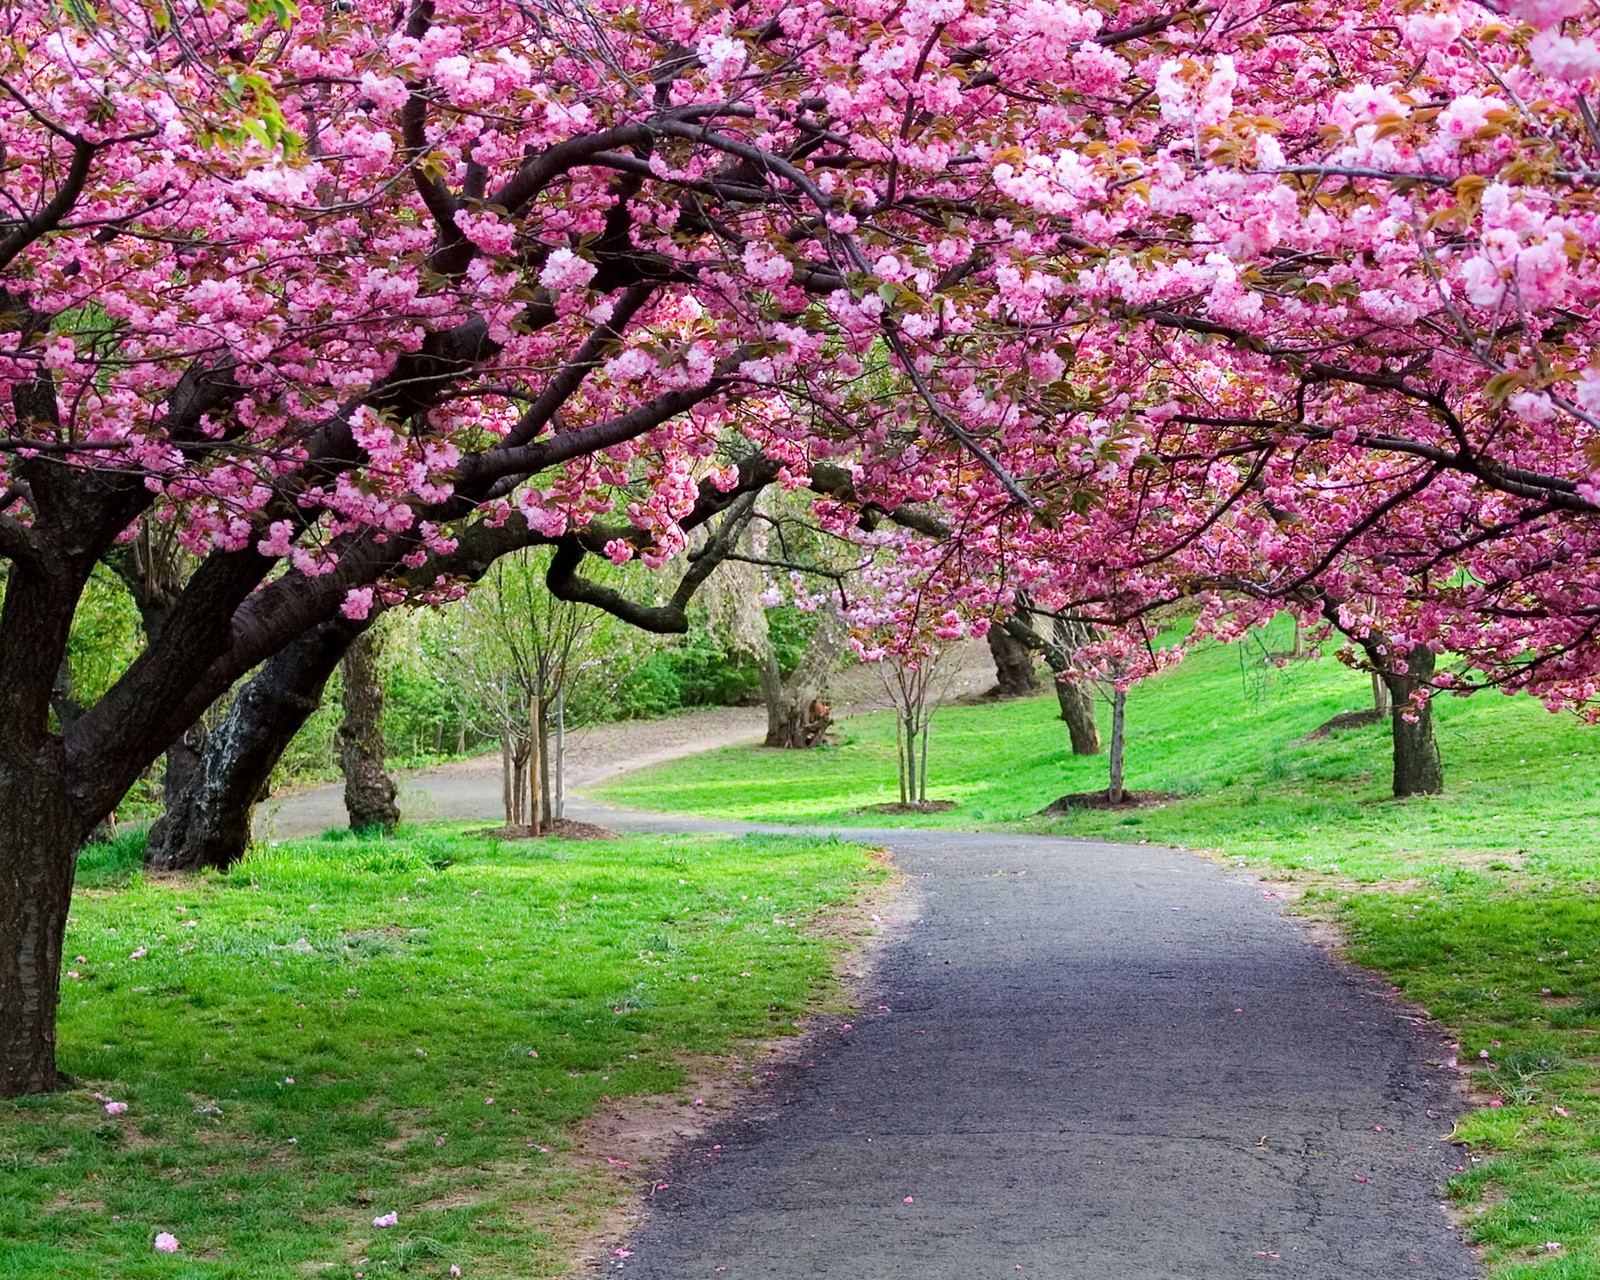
{"x":1223,"y":731}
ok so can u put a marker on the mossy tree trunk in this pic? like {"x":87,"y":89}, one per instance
{"x":208,"y":823}
{"x":1013,"y":665}
{"x":369,"y":791}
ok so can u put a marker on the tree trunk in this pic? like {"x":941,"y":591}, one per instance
{"x":1077,"y":709}
{"x":39,"y":838}
{"x":1380,"y":695}
{"x":1418,"y":770}
{"x":507,"y":800}
{"x":183,"y":763}
{"x":1075,"y":697}
{"x":546,"y":808}
{"x":1013,"y":666}
{"x":922,"y":776}
{"x":559,"y":811}
{"x":208,"y":823}
{"x":900,"y":755}
{"x":535,"y":766}
{"x":797,"y":717}
{"x":1119,"y":708}
{"x":369,"y":792}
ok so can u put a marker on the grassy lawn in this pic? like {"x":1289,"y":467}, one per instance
{"x":343,"y":1029}
{"x":1482,"y":905}
{"x":1220,"y":730}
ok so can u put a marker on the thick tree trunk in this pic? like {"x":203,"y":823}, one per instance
{"x":1418,"y":770}
{"x":1013,"y":666}
{"x":369,"y":792}
{"x":797,"y":717}
{"x":208,"y":825}
{"x":1119,"y":708}
{"x":39,"y":838}
{"x":1076,"y":697}
{"x":1077,"y":709}
{"x":183,"y":763}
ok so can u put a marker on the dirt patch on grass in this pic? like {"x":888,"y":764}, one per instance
{"x":565,"y":828}
{"x":1344,"y":720}
{"x":919,"y":806}
{"x":1102,"y":800}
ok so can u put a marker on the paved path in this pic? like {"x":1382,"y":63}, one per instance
{"x":1121,"y":1065}
{"x":469,"y":790}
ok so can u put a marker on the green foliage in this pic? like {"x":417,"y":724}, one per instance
{"x":106,"y":637}
{"x":698,"y":670}
{"x":315,"y":1039}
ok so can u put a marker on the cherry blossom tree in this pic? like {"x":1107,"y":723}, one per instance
{"x":1266,"y":303}
{"x":319,"y":288}
{"x":1322,"y":279}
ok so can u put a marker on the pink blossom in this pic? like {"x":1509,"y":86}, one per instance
{"x":357,"y":603}
{"x":166,"y":1242}
{"x":564,"y":269}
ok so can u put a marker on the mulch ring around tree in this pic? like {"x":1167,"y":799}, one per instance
{"x":1345,"y":720}
{"x":1102,"y":800}
{"x":563,"y":827}
{"x":919,"y":806}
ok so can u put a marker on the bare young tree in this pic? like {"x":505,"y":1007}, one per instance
{"x":519,"y":648}
{"x":915,"y":685}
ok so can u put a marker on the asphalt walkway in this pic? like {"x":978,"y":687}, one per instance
{"x":1085,"y":1062}
{"x":1078,"y":1061}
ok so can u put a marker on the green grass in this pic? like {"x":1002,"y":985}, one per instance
{"x":400,"y":985}
{"x":1514,"y":970}
{"x":1482,"y":904}
{"x":1220,"y":730}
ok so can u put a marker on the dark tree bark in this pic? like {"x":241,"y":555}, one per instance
{"x":183,"y":763}
{"x":1418,"y":770}
{"x":1013,"y":666}
{"x":369,"y":791}
{"x":39,"y":838}
{"x":208,"y":825}
{"x":42,"y":824}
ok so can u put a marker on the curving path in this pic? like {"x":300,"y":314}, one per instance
{"x":1120,"y":1065}
{"x":1079,"y":1061}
